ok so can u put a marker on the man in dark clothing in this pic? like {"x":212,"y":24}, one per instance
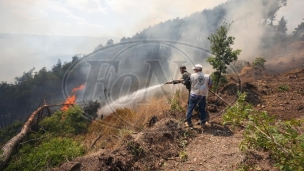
{"x":184,"y":80}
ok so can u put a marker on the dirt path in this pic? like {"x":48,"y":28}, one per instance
{"x":217,"y":148}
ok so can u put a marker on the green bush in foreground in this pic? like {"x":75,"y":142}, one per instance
{"x":239,"y":112}
{"x":53,"y":144}
{"x":63,"y":123}
{"x":46,"y":155}
{"x":283,"y":139}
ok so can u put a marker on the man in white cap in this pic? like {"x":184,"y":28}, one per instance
{"x":200,"y":84}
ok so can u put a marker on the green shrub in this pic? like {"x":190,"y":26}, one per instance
{"x":175,"y":103}
{"x":66,"y":122}
{"x":283,"y":88}
{"x":51,"y":146}
{"x":239,"y":112}
{"x":259,"y":62}
{"x":284,"y":140}
{"x":46,"y":155}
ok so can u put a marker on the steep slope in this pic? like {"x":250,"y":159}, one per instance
{"x":168,"y":145}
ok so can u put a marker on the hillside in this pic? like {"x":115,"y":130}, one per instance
{"x":36,"y":55}
{"x":168,"y":145}
{"x":154,"y":137}
{"x":110,"y":109}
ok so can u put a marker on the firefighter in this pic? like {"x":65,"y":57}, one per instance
{"x":200,"y":84}
{"x":184,"y":80}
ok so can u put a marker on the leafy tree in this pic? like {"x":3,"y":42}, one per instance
{"x":123,"y":39}
{"x":98,"y":47}
{"x":281,"y":27}
{"x":25,"y":77}
{"x":222,"y":51}
{"x":110,"y":42}
{"x":76,"y":58}
{"x":271,"y":9}
{"x":222,"y":79}
{"x":57,"y":69}
{"x":299,"y":30}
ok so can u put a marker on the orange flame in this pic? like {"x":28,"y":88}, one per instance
{"x":78,"y":88}
{"x":71,"y":99}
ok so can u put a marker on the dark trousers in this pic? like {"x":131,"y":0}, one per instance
{"x":188,"y":96}
{"x":201,"y":102}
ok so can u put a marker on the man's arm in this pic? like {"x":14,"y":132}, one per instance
{"x":182,"y":80}
{"x":174,"y":82}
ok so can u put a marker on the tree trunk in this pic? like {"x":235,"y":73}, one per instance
{"x":218,"y":81}
{"x":8,"y":148}
{"x":12,"y":143}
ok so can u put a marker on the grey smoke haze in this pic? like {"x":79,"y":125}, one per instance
{"x":246,"y":17}
{"x":105,"y":18}
{"x":21,"y":52}
{"x":247,"y":28}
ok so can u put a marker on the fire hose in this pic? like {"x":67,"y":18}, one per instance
{"x":220,"y":97}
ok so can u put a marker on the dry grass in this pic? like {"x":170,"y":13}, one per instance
{"x":108,"y":132}
{"x":157,"y":107}
{"x":144,"y":113}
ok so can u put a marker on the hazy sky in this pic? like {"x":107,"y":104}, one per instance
{"x":100,"y":18}
{"x":95,"y":18}
{"x":106,"y":17}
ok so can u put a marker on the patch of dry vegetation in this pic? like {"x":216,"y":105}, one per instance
{"x":109,"y":131}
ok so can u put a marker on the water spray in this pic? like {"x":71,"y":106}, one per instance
{"x":126,"y":100}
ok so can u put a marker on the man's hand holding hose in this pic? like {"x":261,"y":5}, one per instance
{"x":174,"y":81}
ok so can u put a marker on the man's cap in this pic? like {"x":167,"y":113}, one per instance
{"x":198,"y":66}
{"x":183,"y":68}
